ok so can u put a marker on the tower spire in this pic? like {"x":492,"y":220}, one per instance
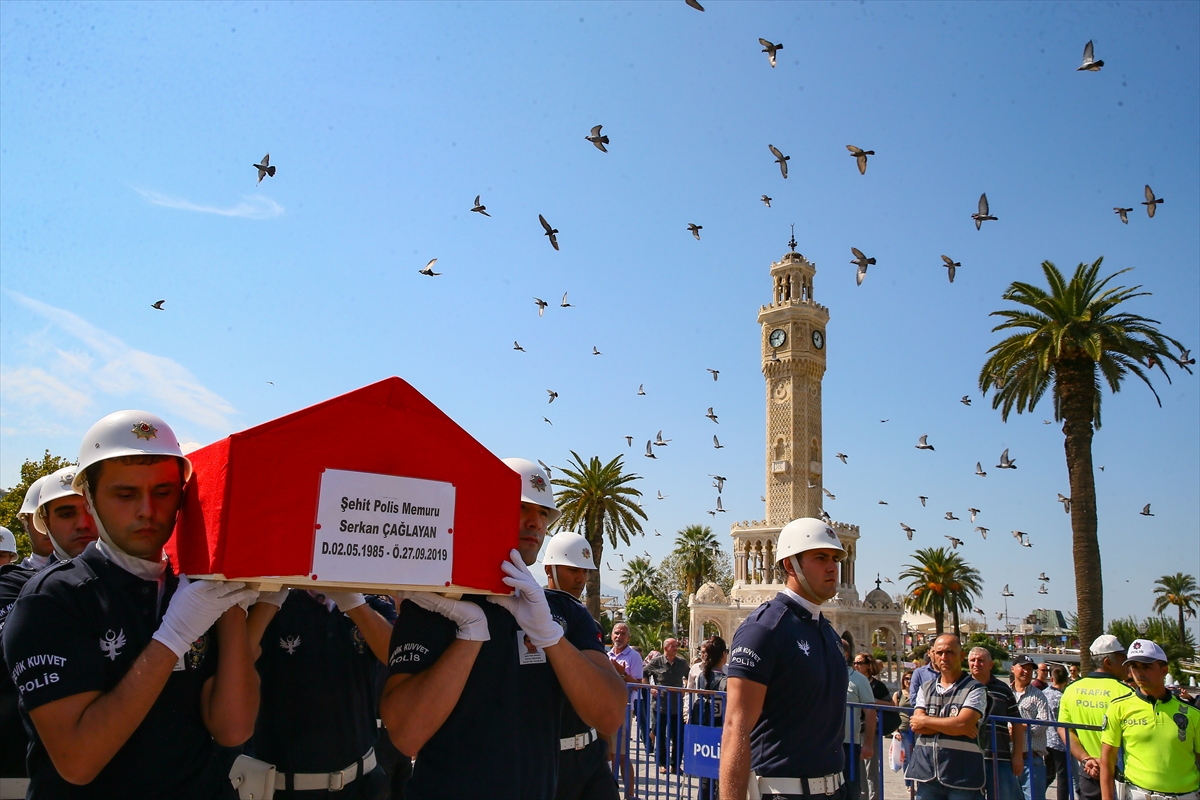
{"x":792,"y":241}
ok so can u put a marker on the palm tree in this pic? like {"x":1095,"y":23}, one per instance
{"x":1069,"y":339}
{"x":596,"y":497}
{"x":696,"y":546}
{"x":637,"y":578}
{"x":1177,"y":590}
{"x":940,"y":581}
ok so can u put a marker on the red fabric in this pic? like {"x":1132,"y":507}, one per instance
{"x":250,"y":508}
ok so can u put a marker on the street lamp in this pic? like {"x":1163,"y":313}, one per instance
{"x":676,"y":596}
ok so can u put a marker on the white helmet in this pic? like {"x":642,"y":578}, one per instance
{"x":535,"y":485}
{"x":30,"y":503}
{"x":806,"y":533}
{"x":8,"y":542}
{"x":128,"y":433}
{"x":568,"y":549}
{"x":56,"y":485}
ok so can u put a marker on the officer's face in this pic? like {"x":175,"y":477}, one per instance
{"x":137,"y":504}
{"x":39,"y":542}
{"x":7,"y":557}
{"x":571,"y":580}
{"x":534,"y":520}
{"x":1149,"y":677}
{"x":70,"y":524}
{"x":820,"y":568}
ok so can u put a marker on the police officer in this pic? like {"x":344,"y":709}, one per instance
{"x":1086,"y":702}
{"x":13,"y":740}
{"x":1160,"y":736}
{"x":41,"y":552}
{"x":8,"y":547}
{"x":786,"y":704}
{"x":62,"y":515}
{"x":477,"y":684}
{"x":122,"y":681}
{"x":319,"y":656}
{"x":583,"y":770}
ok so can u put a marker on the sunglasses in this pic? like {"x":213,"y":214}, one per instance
{"x":862,"y":663}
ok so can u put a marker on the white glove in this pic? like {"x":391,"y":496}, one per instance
{"x":470,"y":619}
{"x":276,"y":599}
{"x":529,"y":605}
{"x":194,"y":608}
{"x":346,"y":601}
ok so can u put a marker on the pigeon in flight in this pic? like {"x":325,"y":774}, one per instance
{"x":1185,"y":358}
{"x":1152,"y":202}
{"x":662,"y":496}
{"x":265,"y":169}
{"x":1066,"y":501}
{"x":1021,"y":537}
{"x":984,"y":214}
{"x":1000,"y":614}
{"x":922,"y":498}
{"x":966,"y":400}
{"x":719,"y":482}
{"x":694,"y":4}
{"x":719,"y":507}
{"x":812,"y":485}
{"x":428,"y":270}
{"x":1042,"y":590}
{"x":1026,"y":542}
{"x":541,"y":304}
{"x":711,"y":415}
{"x":842,"y":457}
{"x":695,"y":229}
{"x":923,"y":444}
{"x":863,"y":262}
{"x":781,"y":158}
{"x":1047,"y":422}
{"x":480,"y":208}
{"x":762,"y":497}
{"x":711,"y":513}
{"x":979,"y":611}
{"x":548,"y":422}
{"x":1122,"y":213}
{"x":608,"y":566}
{"x":973,"y":512}
{"x":553,"y":394}
{"x":595,"y":138}
{"x":549,"y":231}
{"x":828,"y":493}
{"x":564,"y":303}
{"x":715,"y":372}
{"x":656,"y":533}
{"x":1145,"y":512}
{"x":596,"y":351}
{"x":888,"y":580}
{"x":883,"y":502}
{"x":950,"y":265}
{"x":546,"y":467}
{"x":860,"y":156}
{"x":950,"y":515}
{"x":954,"y":543}
{"x":1090,"y":64}
{"x":908,"y":530}
{"x":1042,"y":577}
{"x":884,"y":420}
{"x":629,"y":441}
{"x":825,"y":517}
{"x":766,"y":201}
{"x":641,"y":390}
{"x":982,"y":531}
{"x":979,"y":470}
{"x":1005,"y":461}
{"x":650,"y":450}
{"x":717,"y":444}
{"x":158,"y":304}
{"x":1005,"y":592}
{"x":517,"y":346}
{"x":770,"y":50}
{"x":661,"y":442}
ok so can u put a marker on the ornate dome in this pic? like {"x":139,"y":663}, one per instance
{"x":878,"y":597}
{"x":710,"y":594}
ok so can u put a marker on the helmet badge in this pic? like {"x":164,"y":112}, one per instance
{"x":537,"y":482}
{"x":587,"y":553}
{"x":144,"y":430}
{"x":67,"y":479}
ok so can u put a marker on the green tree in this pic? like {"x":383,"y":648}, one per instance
{"x":648,"y":636}
{"x":644,"y":609}
{"x":993,"y":647}
{"x":696,"y":547}
{"x":1068,"y":340}
{"x":638,"y":577}
{"x":1177,"y":590}
{"x":10,"y":504}
{"x":597,"y":498}
{"x":671,"y":575}
{"x":940,"y":581}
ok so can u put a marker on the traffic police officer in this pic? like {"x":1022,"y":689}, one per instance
{"x":786,"y":705}
{"x":477,"y":684}
{"x":1086,"y":702}
{"x":123,"y":684}
{"x":583,"y":770}
{"x":41,"y":552}
{"x":1160,"y":735}
{"x":319,"y":656}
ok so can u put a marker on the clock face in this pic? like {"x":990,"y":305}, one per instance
{"x":777,"y":337}
{"x":818,"y":340}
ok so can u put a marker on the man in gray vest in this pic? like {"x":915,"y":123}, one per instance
{"x":947,"y":762}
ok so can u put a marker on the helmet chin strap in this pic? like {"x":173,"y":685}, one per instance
{"x":147,"y":570}
{"x":804,"y":581}
{"x":554,"y":574}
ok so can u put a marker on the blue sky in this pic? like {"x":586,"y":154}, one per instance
{"x":127,"y":134}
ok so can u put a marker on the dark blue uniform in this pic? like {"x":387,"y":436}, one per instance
{"x":502,"y":738}
{"x":319,"y":704}
{"x":77,"y":627}
{"x":13,"y":578}
{"x":799,"y":659}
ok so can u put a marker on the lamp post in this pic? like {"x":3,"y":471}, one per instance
{"x":676,"y":596}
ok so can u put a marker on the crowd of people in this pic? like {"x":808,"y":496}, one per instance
{"x":125,"y":679}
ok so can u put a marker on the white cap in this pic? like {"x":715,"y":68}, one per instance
{"x":55,"y":485}
{"x":804,"y":534}
{"x":1106,"y":644}
{"x":128,"y":433}
{"x":535,"y":485}
{"x":1145,"y":651}
{"x":569,"y":549}
{"x":30,"y":503}
{"x":8,"y":542}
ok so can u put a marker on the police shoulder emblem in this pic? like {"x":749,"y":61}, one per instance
{"x":144,"y":430}
{"x":537,"y":482}
{"x":195,"y":654}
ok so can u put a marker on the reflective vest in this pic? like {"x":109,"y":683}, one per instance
{"x":953,"y":761}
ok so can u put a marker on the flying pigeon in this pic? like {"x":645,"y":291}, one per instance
{"x":715,"y":372}
{"x":629,"y":441}
{"x":954,"y":543}
{"x":662,"y":496}
{"x":979,"y":611}
{"x":695,"y":229}
{"x":923,"y":444}
{"x":719,"y":482}
{"x":1005,"y":462}
{"x":1005,"y":592}
{"x":1184,"y":357}
{"x":548,"y":422}
{"x":517,"y":346}
{"x":979,"y":470}
{"x":1043,"y":577}
{"x":595,"y":138}
{"x":770,"y":50}
{"x":694,"y":5}
{"x":659,"y":441}
{"x":428,"y":270}
{"x":828,"y":493}
{"x":766,"y":201}
{"x":983,"y":214}
{"x":966,"y":400}
{"x":860,"y":156}
{"x":922,"y":498}
{"x":656,"y":533}
{"x":950,"y":266}
{"x":825,"y":517}
{"x":1042,"y":590}
{"x":983,"y":531}
{"x":549,"y":231}
{"x":762,"y":497}
{"x":650,"y":450}
{"x":1066,"y":501}
{"x":596,"y":351}
{"x":711,"y":513}
{"x":1025,"y":542}
{"x":863,"y":262}
{"x":1122,"y":213}
{"x":265,"y":168}
{"x":1090,"y":64}
{"x":1046,"y":422}
{"x":480,"y":208}
{"x":717,"y":444}
{"x":950,"y":515}
{"x":711,"y":415}
{"x":553,"y":394}
{"x":719,"y":508}
{"x":564,"y":303}
{"x":541,"y":304}
{"x":158,"y":304}
{"x":973,"y":512}
{"x":546,"y":467}
{"x":1145,"y":512}
{"x":884,"y":420}
{"x":641,"y":390}
{"x":842,"y":457}
{"x":1151,"y":201}
{"x":888,"y":580}
{"x":908,"y":530}
{"x":781,"y":158}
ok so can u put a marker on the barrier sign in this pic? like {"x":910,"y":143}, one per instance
{"x":702,"y":751}
{"x":375,"y":528}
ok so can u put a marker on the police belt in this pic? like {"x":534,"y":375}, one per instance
{"x":760,"y":786}
{"x":579,"y":742}
{"x":331,"y":781}
{"x":1134,"y":792}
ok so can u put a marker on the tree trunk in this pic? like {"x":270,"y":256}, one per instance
{"x":954,"y":610}
{"x":1076,"y":390}
{"x":595,"y":537}
{"x":1181,"y":637}
{"x":939,"y":620}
